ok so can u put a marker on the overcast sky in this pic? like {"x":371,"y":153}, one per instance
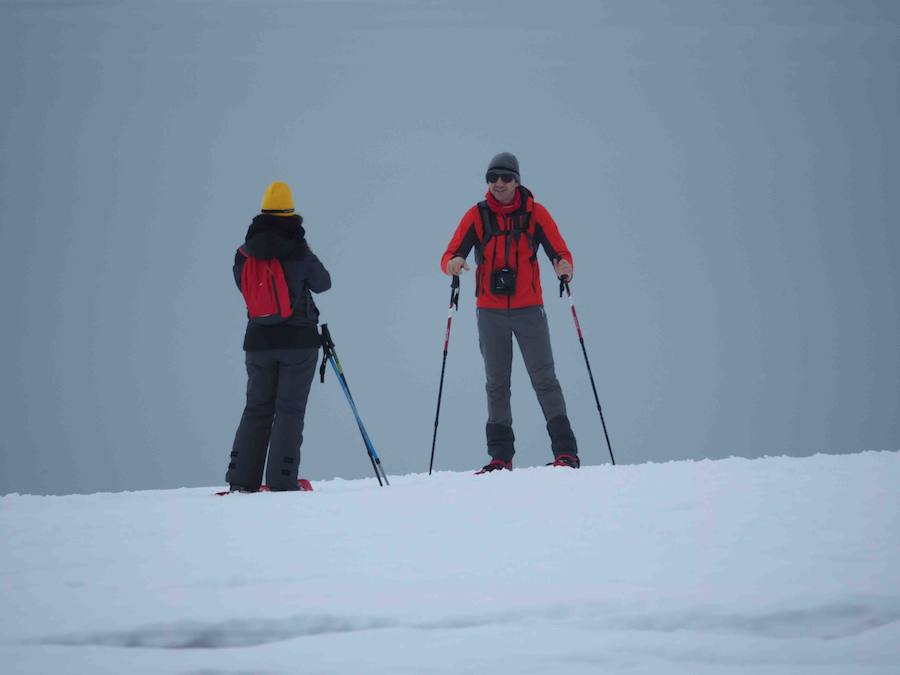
{"x":725,"y":174}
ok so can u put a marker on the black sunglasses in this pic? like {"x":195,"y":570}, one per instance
{"x":493,"y":177}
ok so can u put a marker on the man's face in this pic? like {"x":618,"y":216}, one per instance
{"x":502,"y":190}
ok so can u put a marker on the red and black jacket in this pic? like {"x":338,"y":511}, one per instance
{"x":511,"y":240}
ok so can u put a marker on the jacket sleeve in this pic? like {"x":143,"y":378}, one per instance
{"x":546,"y":233}
{"x":463,"y":239}
{"x":238,"y":268}
{"x":318,"y":280}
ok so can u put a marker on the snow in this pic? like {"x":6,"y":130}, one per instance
{"x":773,"y":565}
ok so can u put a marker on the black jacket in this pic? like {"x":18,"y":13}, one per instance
{"x":283,"y":237}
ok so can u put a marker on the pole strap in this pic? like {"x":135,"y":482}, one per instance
{"x":327,"y":350}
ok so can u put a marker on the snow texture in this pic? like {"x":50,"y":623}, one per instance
{"x":774,"y":565}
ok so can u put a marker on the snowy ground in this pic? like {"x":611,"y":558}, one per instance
{"x":776,"y":565}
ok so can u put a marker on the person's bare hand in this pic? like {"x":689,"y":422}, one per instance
{"x":563,"y":268}
{"x":456,"y":265}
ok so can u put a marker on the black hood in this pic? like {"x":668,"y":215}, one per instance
{"x":275,"y":236}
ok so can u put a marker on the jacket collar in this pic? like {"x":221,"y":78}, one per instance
{"x":523,"y":200}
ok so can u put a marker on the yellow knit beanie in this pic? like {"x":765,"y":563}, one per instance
{"x":277,"y":200}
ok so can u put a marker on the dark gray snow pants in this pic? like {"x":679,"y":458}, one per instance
{"x":278,"y":384}
{"x":496,"y":328}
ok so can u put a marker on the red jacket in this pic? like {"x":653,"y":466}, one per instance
{"x":540,"y":230}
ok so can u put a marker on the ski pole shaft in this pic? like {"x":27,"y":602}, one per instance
{"x":370,"y":448}
{"x":332,"y":357}
{"x":564,"y":286}
{"x":437,"y":413}
{"x":454,"y":305}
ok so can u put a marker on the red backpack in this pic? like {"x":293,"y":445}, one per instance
{"x":265,"y":290}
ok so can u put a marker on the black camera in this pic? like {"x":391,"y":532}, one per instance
{"x":503,"y":281}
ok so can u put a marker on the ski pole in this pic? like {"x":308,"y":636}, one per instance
{"x":454,"y":306}
{"x":564,"y":285}
{"x":330,"y":354}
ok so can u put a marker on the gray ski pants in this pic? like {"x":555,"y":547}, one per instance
{"x":496,"y":328}
{"x":278,"y":384}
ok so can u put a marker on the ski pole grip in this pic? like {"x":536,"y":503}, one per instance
{"x":327,"y":342}
{"x":454,"y":292}
{"x":563,"y":280}
{"x":327,"y":347}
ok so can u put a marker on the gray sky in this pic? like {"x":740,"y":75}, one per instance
{"x":724,"y":172}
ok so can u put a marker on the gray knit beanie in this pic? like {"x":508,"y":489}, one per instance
{"x":505,"y":162}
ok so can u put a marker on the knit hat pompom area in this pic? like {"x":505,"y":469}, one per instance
{"x":277,"y":200}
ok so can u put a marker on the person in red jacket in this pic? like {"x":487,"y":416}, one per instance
{"x":506,"y":230}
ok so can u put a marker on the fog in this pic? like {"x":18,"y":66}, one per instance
{"x":724,"y":172}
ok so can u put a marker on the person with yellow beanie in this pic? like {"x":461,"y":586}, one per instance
{"x":280,"y":357}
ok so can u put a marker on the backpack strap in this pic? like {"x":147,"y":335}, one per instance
{"x":489,"y":228}
{"x":523,"y":226}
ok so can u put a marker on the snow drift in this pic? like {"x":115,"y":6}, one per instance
{"x":776,"y":565}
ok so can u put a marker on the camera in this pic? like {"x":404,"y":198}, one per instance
{"x":503,"y":281}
